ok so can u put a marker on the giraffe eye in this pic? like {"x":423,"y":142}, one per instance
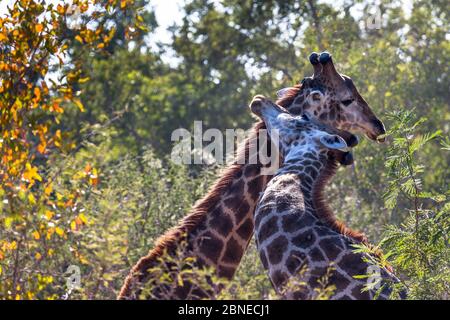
{"x":347,"y":102}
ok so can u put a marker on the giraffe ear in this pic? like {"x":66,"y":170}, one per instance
{"x":333,"y":141}
{"x":283,"y":92}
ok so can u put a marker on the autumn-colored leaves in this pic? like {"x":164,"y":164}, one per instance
{"x":40,"y":77}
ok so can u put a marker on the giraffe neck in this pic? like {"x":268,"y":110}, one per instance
{"x":215,"y":233}
{"x":307,"y":166}
{"x":295,"y":243}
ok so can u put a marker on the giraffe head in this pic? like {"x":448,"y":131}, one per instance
{"x":296,"y":135}
{"x":331,"y":98}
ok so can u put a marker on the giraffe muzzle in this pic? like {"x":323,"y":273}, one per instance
{"x":379,"y":130}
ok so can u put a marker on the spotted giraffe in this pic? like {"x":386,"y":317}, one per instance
{"x":220,"y":225}
{"x":297,"y":235}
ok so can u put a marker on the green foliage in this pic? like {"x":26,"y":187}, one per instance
{"x":92,"y":185}
{"x":419,"y":246}
{"x":137,"y":199}
{"x":40,"y":202}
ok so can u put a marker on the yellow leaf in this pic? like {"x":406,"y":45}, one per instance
{"x":73,"y":226}
{"x":13,"y":245}
{"x":58,"y":138}
{"x":50,"y":231}
{"x":82,"y":218}
{"x":79,"y":104}
{"x":93,"y":178}
{"x":38,"y":256}
{"x":36,"y":235}
{"x":31,"y":199}
{"x":123,"y":4}
{"x":8,"y":221}
{"x":31,"y":174}
{"x":83,"y":80}
{"x":100,"y":46}
{"x":180,"y":280}
{"x":83,"y":260}
{"x":78,"y":38}
{"x":59,"y":231}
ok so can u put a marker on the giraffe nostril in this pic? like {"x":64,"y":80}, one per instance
{"x":379,"y":126}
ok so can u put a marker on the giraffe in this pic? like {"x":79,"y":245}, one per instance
{"x":294,"y":227}
{"x":219,"y":227}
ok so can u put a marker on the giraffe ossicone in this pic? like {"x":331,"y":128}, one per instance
{"x":297,"y":235}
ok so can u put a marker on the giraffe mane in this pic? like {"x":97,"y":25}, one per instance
{"x":323,"y":210}
{"x":326,"y":214}
{"x":289,"y":96}
{"x":174,"y":236}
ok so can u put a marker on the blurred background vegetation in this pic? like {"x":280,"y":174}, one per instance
{"x":135,"y":90}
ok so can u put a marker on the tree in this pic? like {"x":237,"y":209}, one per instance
{"x":38,"y":216}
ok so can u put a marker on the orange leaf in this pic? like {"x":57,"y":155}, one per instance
{"x":48,"y":214}
{"x":37,"y":93}
{"x":41,"y":148}
{"x":61,"y":9}
{"x":82,"y":217}
{"x":48,"y":189}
